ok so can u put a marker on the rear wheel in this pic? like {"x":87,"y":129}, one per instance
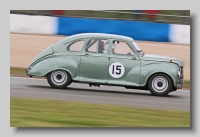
{"x":59,"y":79}
{"x":160,"y":85}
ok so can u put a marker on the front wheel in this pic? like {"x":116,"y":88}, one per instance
{"x":59,"y":79}
{"x":160,"y":85}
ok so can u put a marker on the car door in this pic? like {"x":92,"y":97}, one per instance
{"x":94,"y":61}
{"x":124,"y":64}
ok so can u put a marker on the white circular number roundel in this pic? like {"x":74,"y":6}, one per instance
{"x":116,"y":70}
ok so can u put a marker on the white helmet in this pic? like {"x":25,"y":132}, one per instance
{"x":105,"y":47}
{"x":113,"y":46}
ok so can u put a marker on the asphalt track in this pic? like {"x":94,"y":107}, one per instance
{"x":40,"y":89}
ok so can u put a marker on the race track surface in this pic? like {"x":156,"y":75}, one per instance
{"x":40,"y":89}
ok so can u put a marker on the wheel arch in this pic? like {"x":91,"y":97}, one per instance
{"x":151,"y":75}
{"x":45,"y":74}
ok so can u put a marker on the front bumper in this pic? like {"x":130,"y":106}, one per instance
{"x":181,"y":79}
{"x":179,"y":86}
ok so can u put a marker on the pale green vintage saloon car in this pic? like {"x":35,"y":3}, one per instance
{"x":106,"y":59}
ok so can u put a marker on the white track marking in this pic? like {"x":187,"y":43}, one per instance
{"x":26,"y":78}
{"x":45,"y":79}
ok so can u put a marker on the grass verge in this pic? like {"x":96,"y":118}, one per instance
{"x":49,"y":113}
{"x":20,"y":72}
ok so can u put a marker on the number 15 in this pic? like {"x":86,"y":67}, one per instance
{"x":115,"y":68}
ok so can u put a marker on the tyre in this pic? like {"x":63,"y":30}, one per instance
{"x":160,"y":85}
{"x":59,"y":79}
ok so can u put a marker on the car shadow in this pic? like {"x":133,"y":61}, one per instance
{"x":103,"y":91}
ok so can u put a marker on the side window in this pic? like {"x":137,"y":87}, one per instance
{"x":121,"y":48}
{"x":97,"y":46}
{"x":75,"y":46}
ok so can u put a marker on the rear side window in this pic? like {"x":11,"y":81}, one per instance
{"x":97,"y":46}
{"x":75,"y":46}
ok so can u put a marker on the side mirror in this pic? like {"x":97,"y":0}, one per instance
{"x":134,"y":58}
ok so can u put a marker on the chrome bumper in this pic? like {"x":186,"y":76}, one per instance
{"x":181,"y":79}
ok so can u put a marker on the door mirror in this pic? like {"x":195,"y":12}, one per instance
{"x":134,"y":58}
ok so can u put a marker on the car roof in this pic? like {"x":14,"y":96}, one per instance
{"x":86,"y":35}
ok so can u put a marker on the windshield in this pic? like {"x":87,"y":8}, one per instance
{"x":138,"y":49}
{"x":135,"y":46}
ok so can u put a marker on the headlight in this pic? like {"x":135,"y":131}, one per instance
{"x":179,"y":74}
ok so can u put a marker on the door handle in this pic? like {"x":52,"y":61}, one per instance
{"x":86,"y":54}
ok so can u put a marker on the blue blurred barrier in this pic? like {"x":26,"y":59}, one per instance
{"x":146,"y":31}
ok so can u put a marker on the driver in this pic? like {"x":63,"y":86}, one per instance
{"x":113,"y":47}
{"x":105,"y":48}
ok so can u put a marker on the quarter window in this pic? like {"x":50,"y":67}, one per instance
{"x":97,"y":46}
{"x":75,"y":46}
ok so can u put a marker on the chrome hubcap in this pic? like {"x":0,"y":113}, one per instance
{"x":159,"y":84}
{"x":59,"y":77}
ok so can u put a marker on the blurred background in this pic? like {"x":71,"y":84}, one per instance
{"x":162,"y":16}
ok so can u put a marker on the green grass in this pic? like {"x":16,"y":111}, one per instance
{"x":20,"y":72}
{"x":17,"y":71}
{"x":49,"y":113}
{"x":186,"y":84}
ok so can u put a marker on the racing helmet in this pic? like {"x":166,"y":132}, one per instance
{"x":105,"y":48}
